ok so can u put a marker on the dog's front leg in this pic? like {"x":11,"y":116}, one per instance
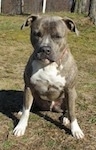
{"x":28,"y":100}
{"x":75,"y":129}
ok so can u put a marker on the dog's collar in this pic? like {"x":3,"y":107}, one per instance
{"x":61,"y":56}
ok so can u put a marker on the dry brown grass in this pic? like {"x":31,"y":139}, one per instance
{"x":44,"y":131}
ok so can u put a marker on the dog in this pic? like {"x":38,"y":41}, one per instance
{"x":51,"y":72}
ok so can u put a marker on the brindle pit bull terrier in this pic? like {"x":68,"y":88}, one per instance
{"x":50,"y":74}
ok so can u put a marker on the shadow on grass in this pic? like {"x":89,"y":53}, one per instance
{"x":56,"y":123}
{"x":11,"y":101}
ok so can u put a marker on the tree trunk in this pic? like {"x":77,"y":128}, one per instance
{"x":84,"y":3}
{"x":92,"y":11}
{"x":80,"y":6}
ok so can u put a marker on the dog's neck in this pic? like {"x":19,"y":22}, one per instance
{"x":59,"y":60}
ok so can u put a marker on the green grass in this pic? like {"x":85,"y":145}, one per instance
{"x":42,"y":134}
{"x":7,"y":145}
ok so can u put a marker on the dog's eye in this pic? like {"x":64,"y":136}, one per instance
{"x":56,"y":36}
{"x":37,"y":34}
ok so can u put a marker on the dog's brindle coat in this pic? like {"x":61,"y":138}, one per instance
{"x":51,"y":71}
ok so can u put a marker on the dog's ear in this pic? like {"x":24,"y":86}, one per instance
{"x":71,"y":25}
{"x":29,"y":21}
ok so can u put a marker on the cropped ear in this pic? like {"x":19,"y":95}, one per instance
{"x":29,"y":21}
{"x":71,"y":25}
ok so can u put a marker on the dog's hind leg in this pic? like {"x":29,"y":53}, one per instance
{"x":28,"y":100}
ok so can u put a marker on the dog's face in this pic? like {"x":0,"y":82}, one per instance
{"x":48,"y":36}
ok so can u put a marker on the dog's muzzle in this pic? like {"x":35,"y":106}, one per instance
{"x":44,"y":53}
{"x":45,"y":49}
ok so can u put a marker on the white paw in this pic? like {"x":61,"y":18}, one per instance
{"x":76,"y":131}
{"x":65,"y":121}
{"x":19,"y":129}
{"x":21,"y":126}
{"x":20,"y":113}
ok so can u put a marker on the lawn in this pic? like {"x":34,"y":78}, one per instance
{"x":44,"y":131}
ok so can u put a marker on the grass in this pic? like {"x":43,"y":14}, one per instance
{"x":44,"y":131}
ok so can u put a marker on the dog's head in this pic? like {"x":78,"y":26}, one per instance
{"x":48,"y":35}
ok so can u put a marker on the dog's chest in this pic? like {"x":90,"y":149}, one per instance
{"x":47,"y":81}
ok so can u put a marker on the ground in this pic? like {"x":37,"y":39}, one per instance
{"x":44,"y":131}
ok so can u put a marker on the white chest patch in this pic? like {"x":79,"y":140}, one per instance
{"x":43,"y":77}
{"x":48,"y":73}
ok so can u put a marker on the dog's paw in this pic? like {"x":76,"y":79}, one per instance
{"x":76,"y":131}
{"x":19,"y":130}
{"x":20,"y":113}
{"x":65,"y":121}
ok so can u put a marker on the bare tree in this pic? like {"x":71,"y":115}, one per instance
{"x":80,"y":6}
{"x":87,"y":7}
{"x":92,"y":11}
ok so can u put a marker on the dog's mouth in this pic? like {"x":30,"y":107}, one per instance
{"x":45,"y":58}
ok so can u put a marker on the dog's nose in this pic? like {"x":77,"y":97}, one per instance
{"x":45,"y":49}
